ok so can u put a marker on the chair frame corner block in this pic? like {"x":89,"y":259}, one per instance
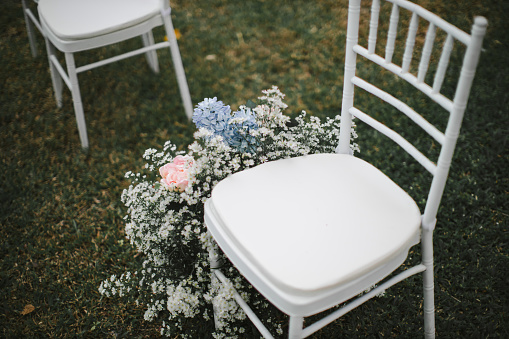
{"x":455,"y":106}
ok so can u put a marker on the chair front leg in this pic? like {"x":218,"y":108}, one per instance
{"x":295,"y":331}
{"x":215,"y":263}
{"x":177,"y":63}
{"x":428,"y":284}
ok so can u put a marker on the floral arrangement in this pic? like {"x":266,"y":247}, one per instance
{"x":165,"y":213}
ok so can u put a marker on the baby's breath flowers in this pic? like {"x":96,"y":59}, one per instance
{"x":164,"y":219}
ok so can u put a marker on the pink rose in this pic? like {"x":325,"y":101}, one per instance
{"x":175,"y":175}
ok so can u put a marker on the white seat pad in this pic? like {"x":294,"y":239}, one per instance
{"x":314,"y":222}
{"x":82,"y":19}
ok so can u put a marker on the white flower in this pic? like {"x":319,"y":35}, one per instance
{"x":167,"y":226}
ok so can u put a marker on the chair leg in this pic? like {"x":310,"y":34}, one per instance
{"x":148,"y":40}
{"x":56,"y":78}
{"x":295,"y":330}
{"x":215,"y":263}
{"x":428,"y":284}
{"x":30,"y":30}
{"x":76,"y":98}
{"x":217,"y":324}
{"x":179,"y":68}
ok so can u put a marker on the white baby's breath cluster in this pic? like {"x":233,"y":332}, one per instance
{"x":174,"y":281}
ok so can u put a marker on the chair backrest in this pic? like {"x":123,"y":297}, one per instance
{"x":455,"y":106}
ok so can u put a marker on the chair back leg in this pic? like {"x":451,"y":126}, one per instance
{"x":76,"y":99}
{"x":30,"y":30}
{"x":148,"y":40}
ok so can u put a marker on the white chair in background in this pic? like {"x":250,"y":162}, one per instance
{"x":31,"y":21}
{"x":310,"y":245}
{"x":76,"y":25}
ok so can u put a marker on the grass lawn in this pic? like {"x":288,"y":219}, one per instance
{"x":61,"y":225}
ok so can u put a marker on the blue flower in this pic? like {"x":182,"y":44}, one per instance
{"x":242,"y":140}
{"x":217,"y":117}
{"x":212,"y":115}
{"x":247,"y":115}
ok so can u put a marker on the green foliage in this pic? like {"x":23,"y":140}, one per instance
{"x":61,"y":227}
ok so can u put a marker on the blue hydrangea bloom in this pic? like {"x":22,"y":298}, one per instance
{"x":242,"y":140}
{"x":215,"y":116}
{"x":212,"y":115}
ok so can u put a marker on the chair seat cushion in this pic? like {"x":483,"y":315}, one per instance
{"x":82,"y":19}
{"x":314,"y":222}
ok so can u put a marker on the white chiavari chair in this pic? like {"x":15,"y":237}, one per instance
{"x":72,"y":26}
{"x":309,"y":247}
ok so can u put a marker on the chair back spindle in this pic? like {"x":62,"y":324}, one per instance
{"x":391,"y":36}
{"x":455,"y":106}
{"x":410,"y":43}
{"x":442,"y":64}
{"x":426,"y":52}
{"x":373,"y":26}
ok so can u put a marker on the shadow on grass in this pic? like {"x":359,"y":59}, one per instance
{"x":60,"y":212}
